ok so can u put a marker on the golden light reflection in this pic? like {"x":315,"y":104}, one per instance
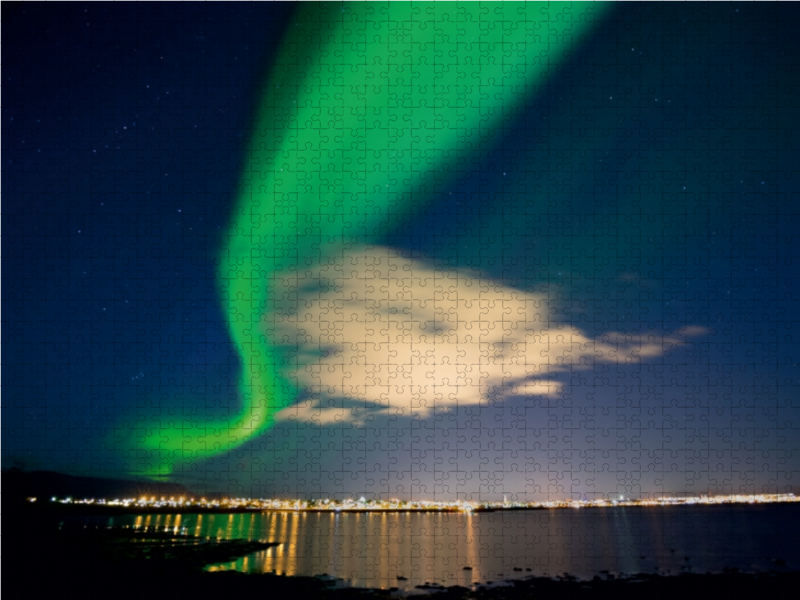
{"x":473,"y":560}
{"x":291,"y":559}
{"x":251,"y":528}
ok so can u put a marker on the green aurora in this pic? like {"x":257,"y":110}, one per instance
{"x":369,"y":111}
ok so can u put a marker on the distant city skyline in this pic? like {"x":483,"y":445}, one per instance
{"x":396,"y":504}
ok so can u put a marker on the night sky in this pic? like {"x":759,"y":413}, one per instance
{"x":596,"y":293}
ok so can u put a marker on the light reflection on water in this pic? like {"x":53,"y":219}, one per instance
{"x":373,"y":549}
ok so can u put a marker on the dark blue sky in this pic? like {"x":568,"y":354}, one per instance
{"x":650,"y":189}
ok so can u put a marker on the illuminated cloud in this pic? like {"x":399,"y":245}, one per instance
{"x":374,"y":332}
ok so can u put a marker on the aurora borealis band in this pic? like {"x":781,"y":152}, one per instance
{"x":434,"y":250}
{"x":366,"y":112}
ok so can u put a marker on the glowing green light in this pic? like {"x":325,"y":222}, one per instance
{"x":371,"y":108}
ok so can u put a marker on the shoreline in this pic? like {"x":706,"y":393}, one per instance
{"x":91,"y":509}
{"x":559,"y":586}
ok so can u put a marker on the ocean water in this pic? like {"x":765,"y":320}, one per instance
{"x":374,"y":549}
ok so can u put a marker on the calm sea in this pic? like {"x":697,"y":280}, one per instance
{"x":372,"y":550}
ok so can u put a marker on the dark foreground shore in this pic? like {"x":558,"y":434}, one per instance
{"x":45,"y":557}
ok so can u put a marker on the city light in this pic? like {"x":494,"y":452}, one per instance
{"x":395,"y":505}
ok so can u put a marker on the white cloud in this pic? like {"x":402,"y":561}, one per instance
{"x":376,"y":332}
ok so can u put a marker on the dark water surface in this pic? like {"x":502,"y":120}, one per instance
{"x":372,"y":550}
